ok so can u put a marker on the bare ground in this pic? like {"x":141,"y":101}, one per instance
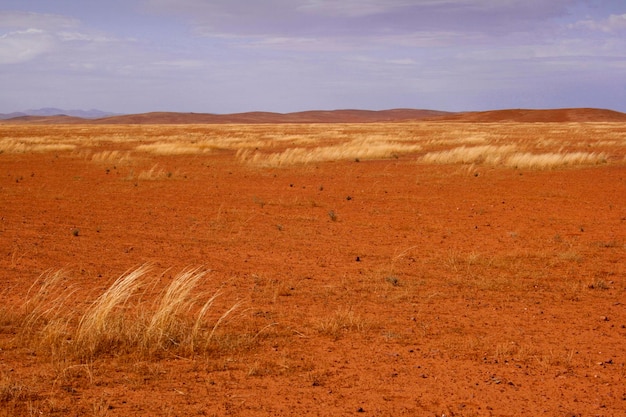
{"x":381,"y":288}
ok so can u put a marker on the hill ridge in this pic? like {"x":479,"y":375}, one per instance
{"x":341,"y":116}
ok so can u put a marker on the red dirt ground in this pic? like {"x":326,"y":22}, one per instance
{"x":496,"y":294}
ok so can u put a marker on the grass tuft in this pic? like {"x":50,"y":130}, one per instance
{"x":122,"y":320}
{"x":342,"y":321}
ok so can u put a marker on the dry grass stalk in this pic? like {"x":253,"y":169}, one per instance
{"x":154,"y":173}
{"x":525,"y":145}
{"x":15,"y":146}
{"x":341,"y":321}
{"x":164,"y":328}
{"x":551,"y":160}
{"x":111,"y":156}
{"x":45,"y":305}
{"x":121,"y":320}
{"x":487,"y":154}
{"x":172,"y":148}
{"x":357,"y":149}
{"x":99,"y":329}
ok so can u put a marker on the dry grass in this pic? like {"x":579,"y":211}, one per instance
{"x":487,"y":154}
{"x":34,"y":146}
{"x":509,"y":145}
{"x":111,"y":156}
{"x":342,"y":321}
{"x":173,"y":148}
{"x":16,"y":398}
{"x":507,"y":156}
{"x":154,"y":173}
{"x":124,"y":319}
{"x":357,"y":149}
{"x":549,"y":160}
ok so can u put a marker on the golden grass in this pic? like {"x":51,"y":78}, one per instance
{"x":508,"y":145}
{"x":551,"y":159}
{"x":123,"y":320}
{"x":487,"y":154}
{"x":111,"y":156}
{"x":342,"y":321}
{"x":154,"y":173}
{"x":357,"y":149}
{"x":172,"y":148}
{"x":15,"y":146}
{"x":505,"y":155}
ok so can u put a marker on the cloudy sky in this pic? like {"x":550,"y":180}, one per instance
{"x":225,"y":56}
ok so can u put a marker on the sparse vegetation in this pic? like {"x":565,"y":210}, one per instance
{"x":122,"y":319}
{"x":331,"y":276}
{"x":342,"y":321}
{"x":511,"y":145}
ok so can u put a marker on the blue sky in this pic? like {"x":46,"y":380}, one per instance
{"x":225,"y":56}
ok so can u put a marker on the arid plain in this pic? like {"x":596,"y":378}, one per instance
{"x":419,"y":268}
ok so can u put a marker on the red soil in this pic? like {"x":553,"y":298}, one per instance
{"x":500,"y":294}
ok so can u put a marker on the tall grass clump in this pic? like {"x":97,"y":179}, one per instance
{"x":45,"y":307}
{"x":127,"y":318}
{"x":487,"y":154}
{"x":356,"y":149}
{"x":25,"y":146}
{"x":104,"y":326}
{"x":170,"y":325}
{"x":111,"y":156}
{"x":551,"y":159}
{"x":172,"y":148}
{"x":152,"y":174}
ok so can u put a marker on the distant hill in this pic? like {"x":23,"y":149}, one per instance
{"x":328,"y":116}
{"x":314,"y":116}
{"x":59,"y":119}
{"x":52,"y":111}
{"x":538,"y":116}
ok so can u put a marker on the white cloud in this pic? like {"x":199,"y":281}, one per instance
{"x":26,"y":20}
{"x":283,"y":55}
{"x":352,"y":8}
{"x":402,"y":61}
{"x":613,"y":24}
{"x":63,"y":39}
{"x":84,"y":37}
{"x":323,"y":18}
{"x":24,"y":45}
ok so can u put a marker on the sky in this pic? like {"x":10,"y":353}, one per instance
{"x":229,"y":56}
